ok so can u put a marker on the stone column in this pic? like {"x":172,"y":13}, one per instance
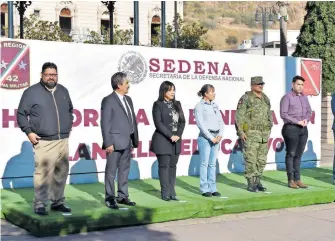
{"x":326,"y":120}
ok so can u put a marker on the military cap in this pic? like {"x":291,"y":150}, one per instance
{"x":257,"y":80}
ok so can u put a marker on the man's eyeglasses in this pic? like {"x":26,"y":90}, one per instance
{"x":50,"y":75}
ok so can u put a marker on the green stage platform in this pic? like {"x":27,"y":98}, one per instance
{"x":90,"y":213}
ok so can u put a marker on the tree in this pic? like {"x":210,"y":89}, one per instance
{"x":35,"y":28}
{"x":317,"y":40}
{"x":120,"y":37}
{"x":190,"y":36}
{"x":231,"y":40}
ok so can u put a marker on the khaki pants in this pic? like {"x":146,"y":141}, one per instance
{"x":51,"y":171}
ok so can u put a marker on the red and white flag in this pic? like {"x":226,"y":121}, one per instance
{"x":311,"y":72}
{"x":15,"y":65}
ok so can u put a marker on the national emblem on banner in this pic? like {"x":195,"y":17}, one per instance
{"x":134,"y":65}
{"x":311,"y":72}
{"x":15,"y":65}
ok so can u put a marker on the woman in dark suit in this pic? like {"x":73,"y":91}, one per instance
{"x":166,"y":141}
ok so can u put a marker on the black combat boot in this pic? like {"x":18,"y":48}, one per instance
{"x":259,"y":185}
{"x":251,"y":185}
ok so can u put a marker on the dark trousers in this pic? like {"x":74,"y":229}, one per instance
{"x":295,"y":138}
{"x":117,"y":161}
{"x":334,"y":160}
{"x":167,"y":168}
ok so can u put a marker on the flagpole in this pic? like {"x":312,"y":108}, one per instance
{"x":163,"y":23}
{"x":10,"y":20}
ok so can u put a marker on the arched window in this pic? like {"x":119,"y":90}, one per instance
{"x":156,"y":19}
{"x":155,"y":24}
{"x":104,"y":21}
{"x":4,"y":12}
{"x":65,"y":20}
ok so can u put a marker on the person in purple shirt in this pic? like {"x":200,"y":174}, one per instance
{"x":295,"y":111}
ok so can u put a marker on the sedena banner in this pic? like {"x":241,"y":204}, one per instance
{"x":85,"y":70}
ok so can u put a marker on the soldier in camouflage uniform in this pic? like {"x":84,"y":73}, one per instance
{"x":254,"y":123}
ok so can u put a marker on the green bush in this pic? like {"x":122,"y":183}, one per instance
{"x":211,"y":16}
{"x":190,"y":36}
{"x":208,"y":24}
{"x":199,"y":11}
{"x":212,"y":10}
{"x":229,"y":14}
{"x":231,"y":40}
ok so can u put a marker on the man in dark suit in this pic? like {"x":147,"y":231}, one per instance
{"x":120,"y":134}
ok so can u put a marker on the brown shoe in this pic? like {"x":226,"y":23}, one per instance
{"x":292,"y":184}
{"x":300,"y":184}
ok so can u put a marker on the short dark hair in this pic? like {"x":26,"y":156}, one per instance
{"x":205,"y":89}
{"x":117,"y":79}
{"x":297,"y":77}
{"x":49,"y":65}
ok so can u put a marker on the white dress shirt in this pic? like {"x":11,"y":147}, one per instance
{"x":124,"y":103}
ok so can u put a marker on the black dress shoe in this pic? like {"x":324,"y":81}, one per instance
{"x":261,"y":188}
{"x":166,"y":198}
{"x":252,"y":186}
{"x":216,"y":194}
{"x":252,"y":189}
{"x":174,"y":198}
{"x":259,"y":185}
{"x":207,"y":194}
{"x":126,"y":201}
{"x":61,"y":208}
{"x":41,"y":211}
{"x":111,"y":204}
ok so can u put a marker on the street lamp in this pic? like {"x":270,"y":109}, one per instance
{"x":266,"y":15}
{"x":175,"y":24}
{"x":136,"y":23}
{"x":10,"y":19}
{"x":163,"y":13}
{"x":110,"y":7}
{"x":283,"y":18}
{"x":21,"y":6}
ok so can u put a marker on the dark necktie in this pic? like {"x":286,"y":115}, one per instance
{"x":129,"y":114}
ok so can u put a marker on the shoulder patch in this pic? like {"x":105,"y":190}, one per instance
{"x":242,"y":100}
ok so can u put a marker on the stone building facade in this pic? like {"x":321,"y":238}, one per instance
{"x":76,"y":18}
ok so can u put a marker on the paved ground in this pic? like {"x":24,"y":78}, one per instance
{"x":312,"y":223}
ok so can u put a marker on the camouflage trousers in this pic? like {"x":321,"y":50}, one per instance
{"x":255,"y":155}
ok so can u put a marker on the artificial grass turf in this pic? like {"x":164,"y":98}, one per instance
{"x":90,"y":213}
